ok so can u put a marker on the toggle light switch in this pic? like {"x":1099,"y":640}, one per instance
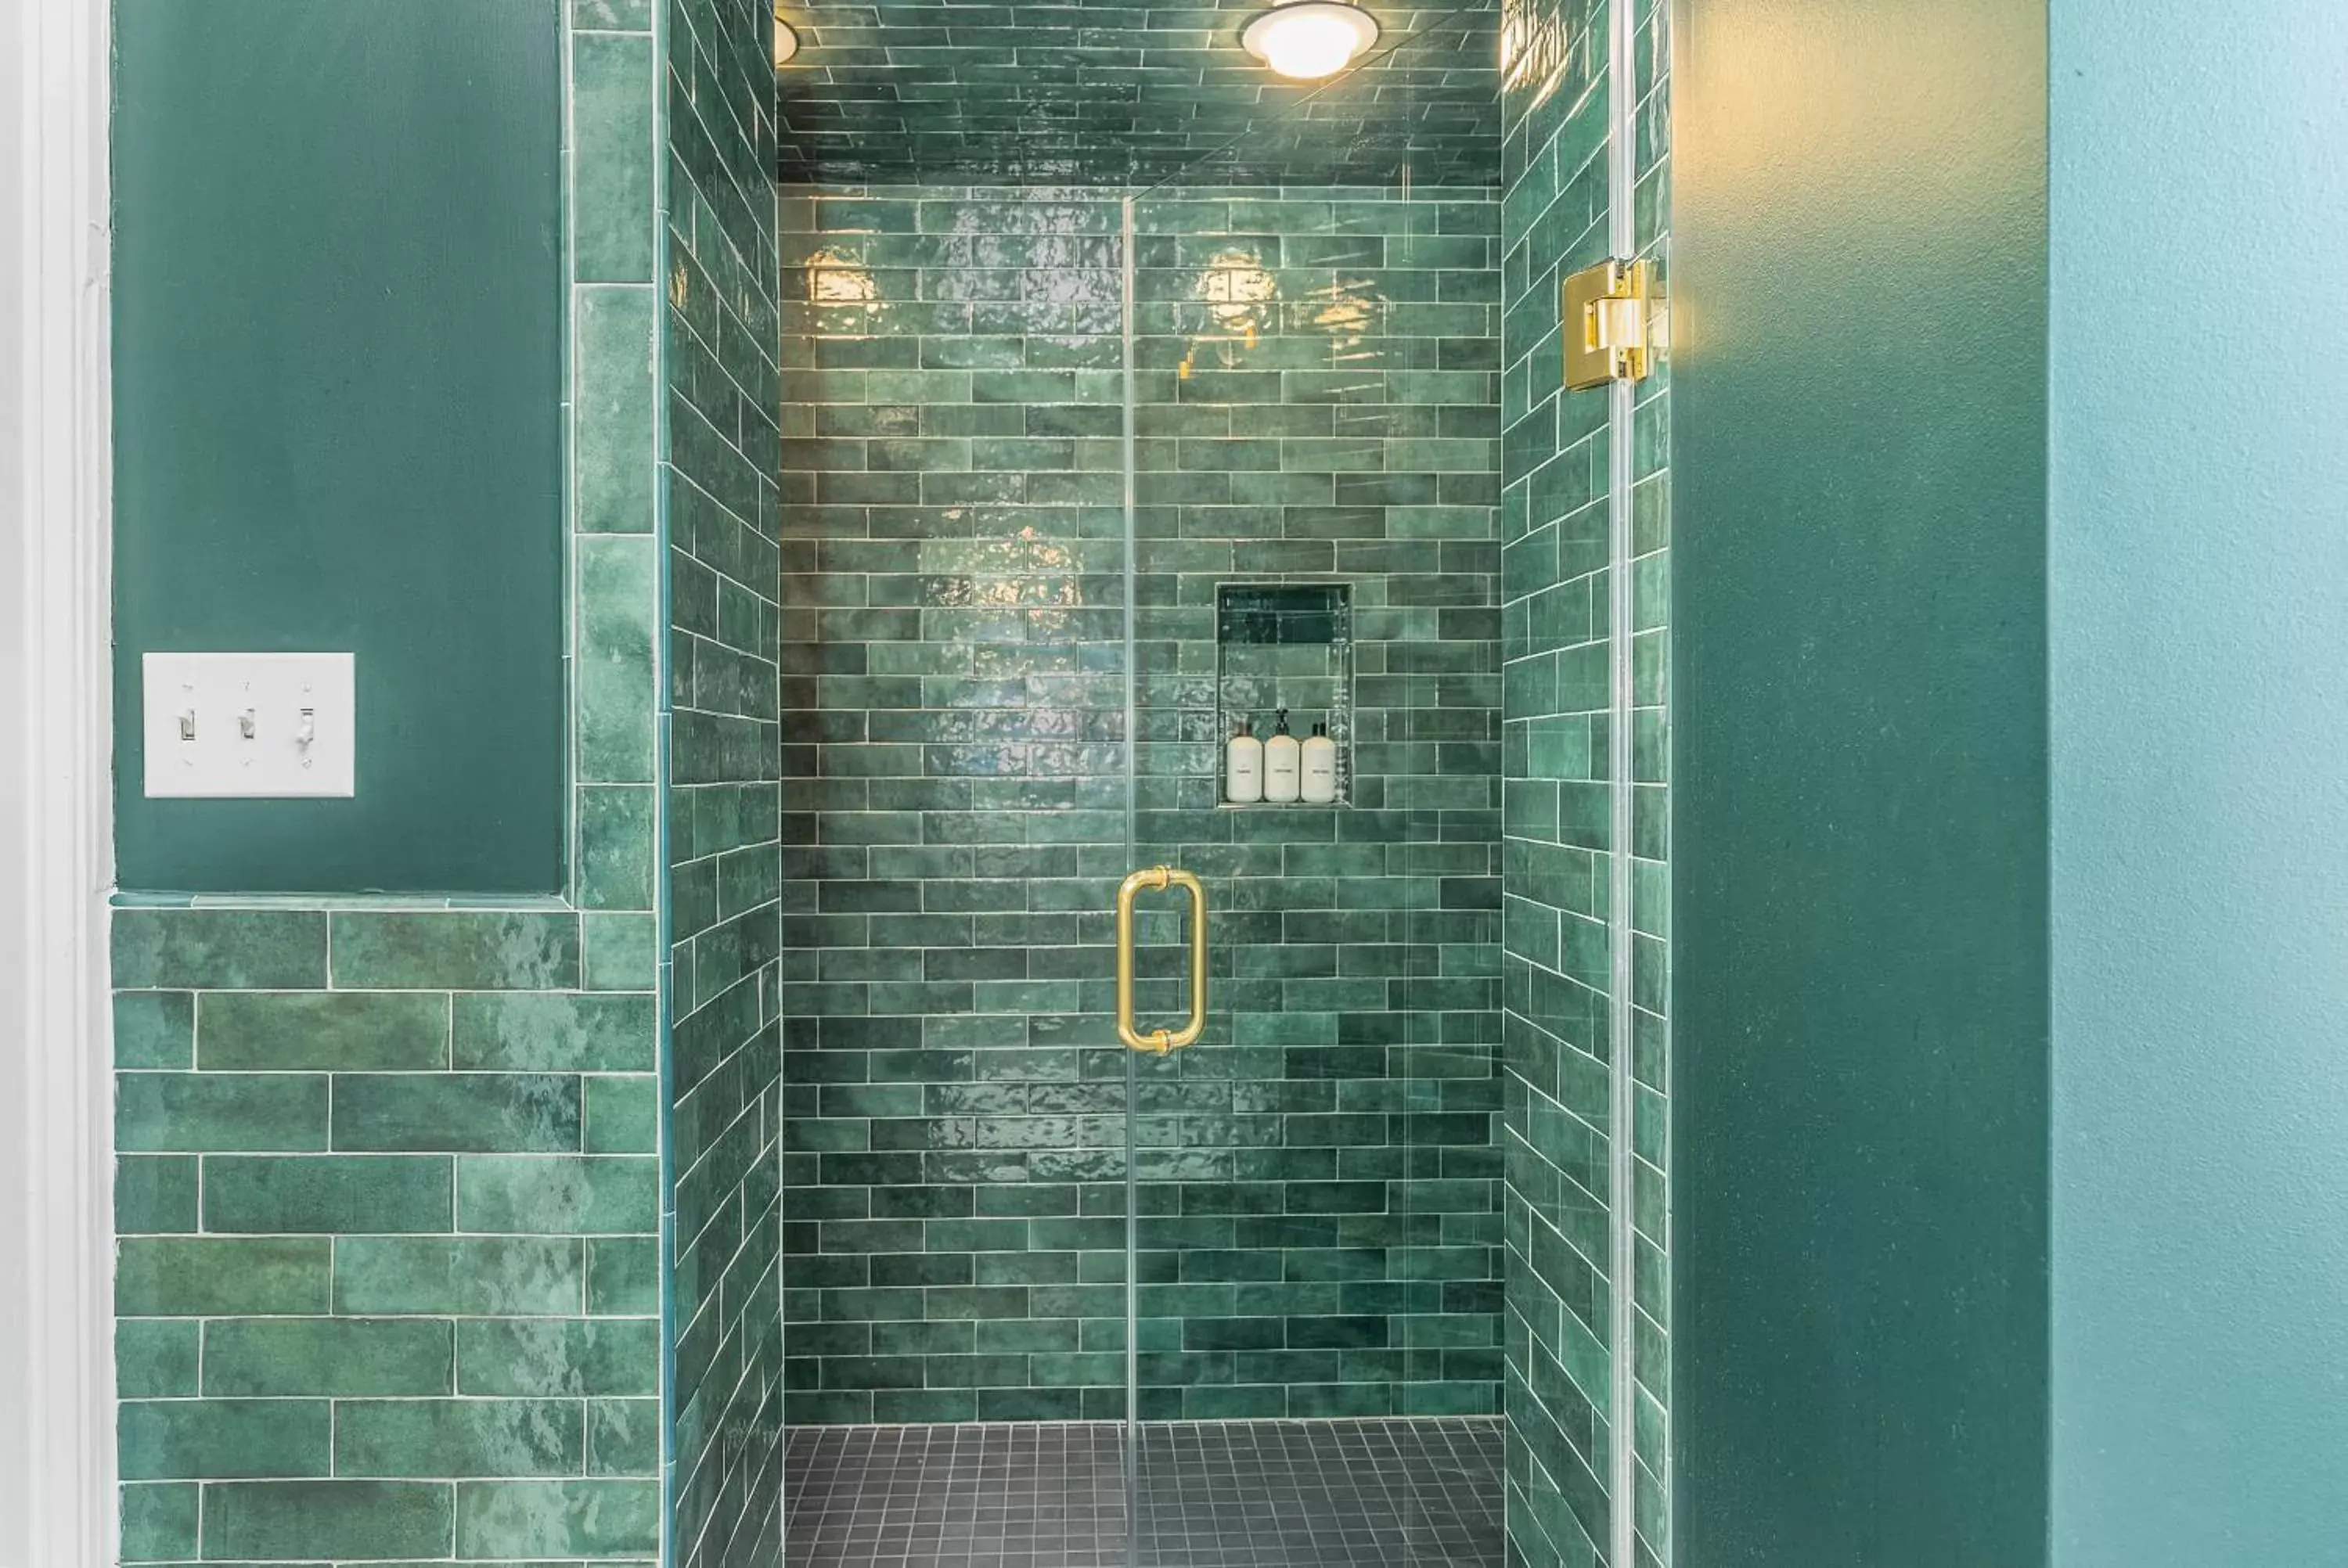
{"x":250,"y":725}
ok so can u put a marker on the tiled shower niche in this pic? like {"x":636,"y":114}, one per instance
{"x":1286,"y":649}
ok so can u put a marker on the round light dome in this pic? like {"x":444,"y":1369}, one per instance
{"x":786,"y":41}
{"x":1310,"y":39}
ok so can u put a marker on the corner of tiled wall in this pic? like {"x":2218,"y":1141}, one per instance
{"x":721,"y":403}
{"x":1559,"y":695}
{"x":387,"y":1195}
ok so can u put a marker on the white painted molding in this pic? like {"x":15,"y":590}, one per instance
{"x":56,"y":1385}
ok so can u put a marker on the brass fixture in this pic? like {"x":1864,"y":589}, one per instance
{"x":1158,"y":1041}
{"x":1604,"y":322}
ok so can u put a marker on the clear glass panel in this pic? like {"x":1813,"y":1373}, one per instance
{"x":1316,"y":1270}
{"x":1072,"y":483}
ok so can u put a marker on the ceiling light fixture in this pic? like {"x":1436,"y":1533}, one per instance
{"x":1310,"y":39}
{"x":786,"y":41}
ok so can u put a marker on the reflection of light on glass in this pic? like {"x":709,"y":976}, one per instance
{"x":1342,"y":314}
{"x":1346,"y":311}
{"x":1236,"y":288}
{"x":1234,"y":283}
{"x":1533,"y":49}
{"x":836,"y":280}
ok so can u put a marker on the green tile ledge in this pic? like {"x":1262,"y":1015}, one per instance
{"x":526,"y":904}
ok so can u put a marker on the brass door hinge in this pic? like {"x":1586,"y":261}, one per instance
{"x":1605,"y":323}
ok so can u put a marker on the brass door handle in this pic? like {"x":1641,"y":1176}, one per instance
{"x":1158,"y":1041}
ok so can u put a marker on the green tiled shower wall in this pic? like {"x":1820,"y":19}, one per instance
{"x":1556,"y":587}
{"x":1317,"y":379}
{"x":721,"y":396}
{"x":387,"y":1271}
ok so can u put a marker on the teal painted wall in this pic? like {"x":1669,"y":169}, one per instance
{"x":2199,"y":545}
{"x":1859,"y":537}
{"x":338,"y":424}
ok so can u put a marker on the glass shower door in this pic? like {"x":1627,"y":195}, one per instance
{"x":1315,"y":1269}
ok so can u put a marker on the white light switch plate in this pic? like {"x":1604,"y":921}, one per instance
{"x":250,"y":725}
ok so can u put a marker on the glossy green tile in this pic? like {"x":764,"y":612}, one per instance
{"x":557,"y":1519}
{"x":620,"y":952}
{"x":456,"y":1112}
{"x":622,"y":1278}
{"x":540,"y":1194}
{"x":154,"y":1028}
{"x":622,"y":1115}
{"x":156,"y":1358}
{"x":214,"y":1277}
{"x":311,"y":1194}
{"x":559,"y":1358}
{"x":155,"y":1192}
{"x":277,"y":1519}
{"x":327,"y":1031}
{"x":612,"y":87}
{"x":623,"y":1437}
{"x":456,"y":949}
{"x":281,"y":949}
{"x":616,"y":603}
{"x":469,"y":1277}
{"x":215,"y":1438}
{"x":617,"y":847}
{"x":196,"y":1111}
{"x":160,"y":1523}
{"x":555,"y":1033}
{"x":424,"y":1438}
{"x":327,"y":1357}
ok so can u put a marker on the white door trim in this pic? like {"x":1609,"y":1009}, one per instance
{"x":57,"y":1382}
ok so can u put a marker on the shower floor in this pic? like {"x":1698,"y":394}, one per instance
{"x":1213,"y":1494}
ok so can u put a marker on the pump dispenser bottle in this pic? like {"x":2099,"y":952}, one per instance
{"x":1242,"y":766}
{"x":1319,"y":782}
{"x":1281,"y":762}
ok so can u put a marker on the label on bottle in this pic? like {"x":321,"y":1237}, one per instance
{"x":1279,"y":769}
{"x":1319,"y":782}
{"x":1243,"y":770}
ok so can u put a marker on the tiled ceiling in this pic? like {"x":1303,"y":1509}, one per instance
{"x":1125,"y":93}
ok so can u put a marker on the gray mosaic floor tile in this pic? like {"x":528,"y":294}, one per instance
{"x":1207,"y":1494}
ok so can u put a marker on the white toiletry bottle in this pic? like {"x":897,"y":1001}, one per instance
{"x":1242,"y":766}
{"x":1320,"y":762}
{"x":1280,"y":762}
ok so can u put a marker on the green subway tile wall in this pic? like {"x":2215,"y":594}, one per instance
{"x":1560,"y":677}
{"x":721,"y":397}
{"x":1317,"y":381}
{"x":955,"y":803}
{"x":386,"y":1194}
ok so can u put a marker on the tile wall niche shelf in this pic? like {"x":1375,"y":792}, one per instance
{"x":1285,"y":645}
